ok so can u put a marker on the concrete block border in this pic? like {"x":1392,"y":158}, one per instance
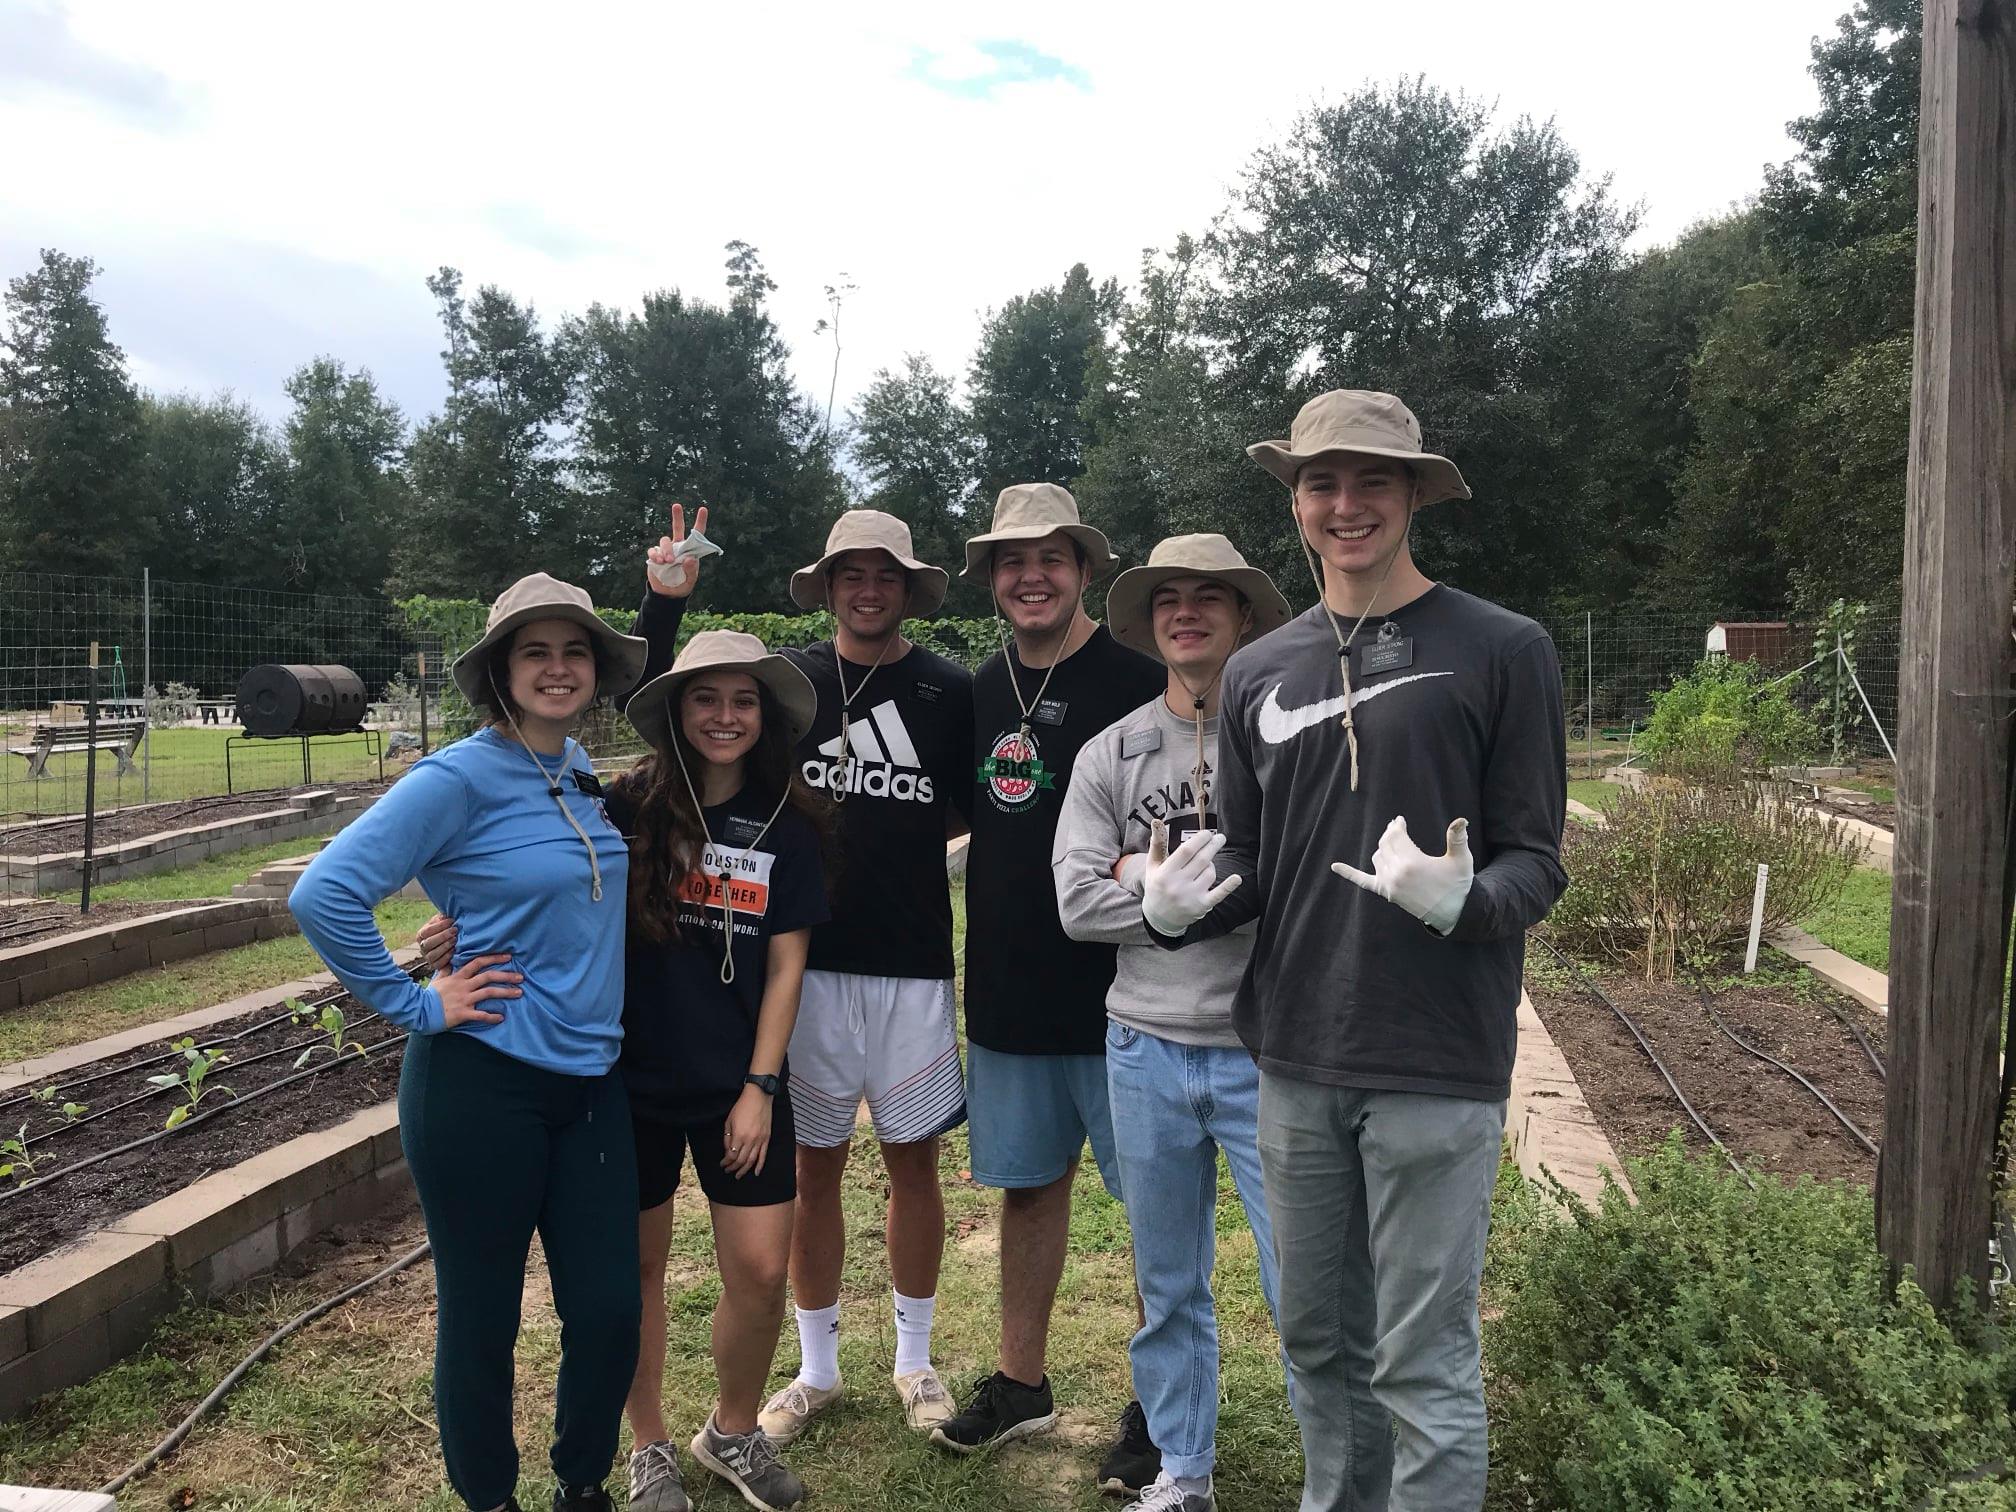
{"x":72,"y":1313}
{"x":86,"y":957}
{"x":320,"y":812}
{"x":1549,"y":1123}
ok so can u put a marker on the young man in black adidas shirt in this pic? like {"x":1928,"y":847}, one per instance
{"x":1035,"y":999}
{"x":1380,"y":995}
{"x":892,"y":746}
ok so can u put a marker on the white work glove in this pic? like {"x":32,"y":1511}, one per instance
{"x":1432,"y":888}
{"x":1177,"y":891}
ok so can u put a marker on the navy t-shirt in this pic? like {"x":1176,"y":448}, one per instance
{"x":687,"y":1035}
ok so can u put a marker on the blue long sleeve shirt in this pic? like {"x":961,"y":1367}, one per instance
{"x":475,"y":823}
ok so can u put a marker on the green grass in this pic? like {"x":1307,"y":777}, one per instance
{"x":184,"y":763}
{"x":168,"y":990}
{"x":1858,"y":923}
{"x":213,"y":877}
{"x":1593,"y":791}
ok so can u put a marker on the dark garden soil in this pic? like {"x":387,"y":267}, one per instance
{"x":1868,"y":810}
{"x":118,"y":826}
{"x":1767,"y":1118}
{"x":39,"y":922}
{"x":54,"y":1206}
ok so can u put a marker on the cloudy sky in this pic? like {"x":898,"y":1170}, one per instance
{"x":262,"y":182}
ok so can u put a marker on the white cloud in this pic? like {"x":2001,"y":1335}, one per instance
{"x":319,"y":162}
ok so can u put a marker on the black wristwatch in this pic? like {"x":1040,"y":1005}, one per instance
{"x":767,"y":1084}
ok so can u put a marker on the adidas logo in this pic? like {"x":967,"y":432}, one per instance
{"x":883,"y":763}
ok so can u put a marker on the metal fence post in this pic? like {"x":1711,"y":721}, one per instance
{"x":147,"y":683}
{"x":1589,"y":687}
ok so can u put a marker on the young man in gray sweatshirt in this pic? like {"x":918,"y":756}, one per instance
{"x":1381,"y":993}
{"x":1181,"y":1085}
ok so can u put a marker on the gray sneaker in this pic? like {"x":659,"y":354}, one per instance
{"x":1166,"y":1496}
{"x":749,"y":1463}
{"x":654,"y":1480}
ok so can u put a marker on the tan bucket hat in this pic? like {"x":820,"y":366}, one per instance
{"x":541,"y":596}
{"x":1360,"y":420}
{"x":871,"y":530}
{"x":1132,"y":620}
{"x":1031,"y":511}
{"x":651,"y":706}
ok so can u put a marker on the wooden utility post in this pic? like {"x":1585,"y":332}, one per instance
{"x":1948,"y":920}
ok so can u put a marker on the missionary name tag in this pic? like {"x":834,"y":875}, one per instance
{"x":1140,"y":743}
{"x":1387,"y":654}
{"x":1049,"y":712}
{"x":588,"y":783}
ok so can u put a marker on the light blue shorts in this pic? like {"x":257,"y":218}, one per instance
{"x":1029,"y":1116}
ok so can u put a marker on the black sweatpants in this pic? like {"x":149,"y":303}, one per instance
{"x":499,"y":1148}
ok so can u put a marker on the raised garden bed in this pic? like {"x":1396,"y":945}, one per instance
{"x":1759,"y":1112}
{"x":61,"y":950}
{"x":50,"y":858}
{"x":65,"y":832}
{"x":116,"y":1155}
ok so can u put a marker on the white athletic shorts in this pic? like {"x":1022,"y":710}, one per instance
{"x":890,"y":1040}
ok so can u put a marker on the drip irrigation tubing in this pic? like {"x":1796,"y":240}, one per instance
{"x":1644,"y":1044}
{"x":36,"y":1183}
{"x":1882,"y":1072}
{"x":223,"y":1388}
{"x":1708,"y":1006}
{"x":315,"y":1000}
{"x":237,"y":1065}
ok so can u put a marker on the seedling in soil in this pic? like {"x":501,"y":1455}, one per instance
{"x":71,"y":1111}
{"x":20,"y":1164}
{"x":192,"y":1079}
{"x":331,"y":1022}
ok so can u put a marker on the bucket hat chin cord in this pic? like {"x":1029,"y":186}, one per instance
{"x":837,"y":788}
{"x":1336,"y":625}
{"x":553,"y":791}
{"x":727,"y":889}
{"x":1028,"y":708}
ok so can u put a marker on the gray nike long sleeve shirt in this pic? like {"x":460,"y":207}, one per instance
{"x":1458,"y":716}
{"x":1136,"y":770}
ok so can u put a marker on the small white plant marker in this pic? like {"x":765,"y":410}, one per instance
{"x":1756,"y":919}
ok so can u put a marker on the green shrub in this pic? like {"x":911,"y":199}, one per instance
{"x":1730,"y":714}
{"x":1713,"y":1348}
{"x":1670,"y":877}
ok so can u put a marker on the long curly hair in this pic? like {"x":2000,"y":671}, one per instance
{"x":669,"y":834}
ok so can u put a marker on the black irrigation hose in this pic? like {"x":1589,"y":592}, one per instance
{"x":35,"y":1183}
{"x":237,"y":1065}
{"x":1643,"y":1044}
{"x":325,"y":996}
{"x":223,"y":1388}
{"x":1708,"y":1006}
{"x":1861,"y":1039}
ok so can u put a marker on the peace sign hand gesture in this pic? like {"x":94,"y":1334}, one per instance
{"x":670,"y":571}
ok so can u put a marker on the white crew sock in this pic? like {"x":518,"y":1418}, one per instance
{"x":819,"y":1347}
{"x":913,"y":1331}
{"x":1193,"y":1485}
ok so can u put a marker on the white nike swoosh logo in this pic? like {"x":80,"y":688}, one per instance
{"x":1278,"y":724}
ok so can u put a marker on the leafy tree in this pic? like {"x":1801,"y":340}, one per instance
{"x":487,"y":471}
{"x":914,"y":444}
{"x":345,"y":489}
{"x":73,"y":494}
{"x":687,"y":401}
{"x":1040,"y":356}
{"x":216,"y":482}
{"x":1396,"y":240}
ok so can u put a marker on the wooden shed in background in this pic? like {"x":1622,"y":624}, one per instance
{"x":1766,"y":641}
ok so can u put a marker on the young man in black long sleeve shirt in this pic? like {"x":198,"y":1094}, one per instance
{"x":1381,"y":993}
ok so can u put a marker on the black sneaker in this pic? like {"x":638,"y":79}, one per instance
{"x":1002,"y":1409}
{"x":1131,"y":1465}
{"x":582,"y":1499}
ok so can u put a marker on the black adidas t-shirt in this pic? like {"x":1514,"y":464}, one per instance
{"x":687,"y":1035}
{"x":1030,"y":988}
{"x":911,"y":732}
{"x":910,"y":763}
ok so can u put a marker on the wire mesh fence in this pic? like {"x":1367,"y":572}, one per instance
{"x":1613,"y":665}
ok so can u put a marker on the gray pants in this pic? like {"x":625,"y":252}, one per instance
{"x":1381,"y":1202}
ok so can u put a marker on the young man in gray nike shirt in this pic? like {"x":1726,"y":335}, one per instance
{"x":1381,"y":992}
{"x":1181,"y":1085}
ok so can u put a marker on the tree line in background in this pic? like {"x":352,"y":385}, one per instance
{"x":1716,"y":424}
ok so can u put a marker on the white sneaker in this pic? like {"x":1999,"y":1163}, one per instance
{"x":790,"y":1412}
{"x":926,"y":1402}
{"x":1166,"y":1496}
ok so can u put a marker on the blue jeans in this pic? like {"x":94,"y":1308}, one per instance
{"x":1381,"y":1204}
{"x":1174,"y":1108}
